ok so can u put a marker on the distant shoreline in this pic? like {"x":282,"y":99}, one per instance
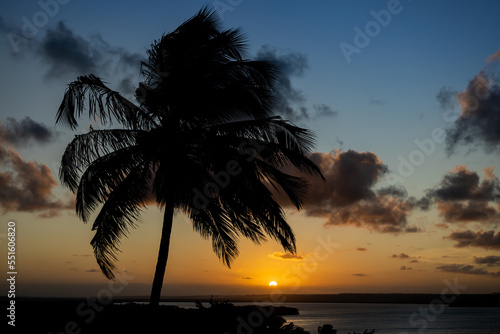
{"x":477,"y":300}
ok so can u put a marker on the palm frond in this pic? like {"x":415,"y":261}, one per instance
{"x":294,"y":187}
{"x":89,"y":92}
{"x":213,"y":222}
{"x":118,"y":214}
{"x":103,"y":176}
{"x":86,"y":148}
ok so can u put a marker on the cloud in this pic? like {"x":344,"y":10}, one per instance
{"x":481,"y":239}
{"x":21,"y":133}
{"x":290,"y":100}
{"x":322,"y":110}
{"x":286,"y":256}
{"x":400,"y":256}
{"x":68,"y":54}
{"x":3,"y":25}
{"x":414,"y":261}
{"x":478,"y":125}
{"x":348,"y":195}
{"x":490,"y":260}
{"x":447,"y":98}
{"x":466,"y":269}
{"x":462,"y":197}
{"x":246,"y":278}
{"x":26,"y":186}
{"x":378,"y":102}
{"x":66,"y":51}
{"x":361,"y":249}
{"x":493,"y":57}
{"x":92,"y":271}
{"x":405,"y":268}
{"x":359,"y":275}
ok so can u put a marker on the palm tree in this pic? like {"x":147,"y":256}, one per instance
{"x":201,"y":140}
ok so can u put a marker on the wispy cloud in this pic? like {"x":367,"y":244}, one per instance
{"x":490,"y":260}
{"x":493,"y":57}
{"x":466,"y":269}
{"x":322,"y":110}
{"x":447,"y":98}
{"x":291,"y":102}
{"x":478,"y":125}
{"x":378,"y":102}
{"x":361,"y":249}
{"x":400,"y":256}
{"x":286,"y":256}
{"x":359,"y":275}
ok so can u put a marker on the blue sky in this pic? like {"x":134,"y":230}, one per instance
{"x":381,"y":100}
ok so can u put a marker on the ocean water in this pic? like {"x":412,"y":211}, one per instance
{"x":397,"y":318}
{"x":391,"y":318}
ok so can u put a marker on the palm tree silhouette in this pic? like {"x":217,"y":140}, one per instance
{"x":201,"y":140}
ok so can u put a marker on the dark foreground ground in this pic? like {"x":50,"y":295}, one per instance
{"x":90,"y":316}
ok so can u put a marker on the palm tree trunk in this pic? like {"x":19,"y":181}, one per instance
{"x":168,"y":218}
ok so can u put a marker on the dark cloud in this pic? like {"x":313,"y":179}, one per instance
{"x":405,"y":268}
{"x":348,"y":196}
{"x":286,"y":256}
{"x":92,"y":271}
{"x":26,"y":186}
{"x":462,"y":184}
{"x":400,"y":256}
{"x":462,"y":197}
{"x":350,"y":177}
{"x":67,"y":52}
{"x":290,"y":100}
{"x":246,"y":278}
{"x":361,"y":249}
{"x":414,"y":261}
{"x":21,"y":133}
{"x":490,"y":260}
{"x":466,"y":269}
{"x":478,"y":125}
{"x":481,"y":239}
{"x":359,"y":275}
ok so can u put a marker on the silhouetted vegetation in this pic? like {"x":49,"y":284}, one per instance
{"x":202,"y":138}
{"x":59,"y":316}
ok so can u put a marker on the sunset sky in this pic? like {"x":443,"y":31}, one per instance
{"x":404,"y":99}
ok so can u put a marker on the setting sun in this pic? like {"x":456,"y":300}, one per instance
{"x":273,"y":283}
